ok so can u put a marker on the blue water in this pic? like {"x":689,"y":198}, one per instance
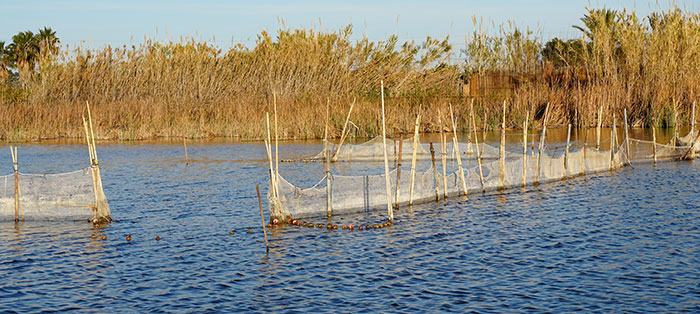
{"x":621,"y":242}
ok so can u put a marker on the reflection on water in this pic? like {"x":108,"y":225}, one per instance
{"x":605,"y":243}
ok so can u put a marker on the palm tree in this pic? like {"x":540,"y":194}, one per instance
{"x":595,"y":20}
{"x":23,"y":50}
{"x":48,"y":42}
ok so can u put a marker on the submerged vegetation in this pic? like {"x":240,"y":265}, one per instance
{"x":647,"y":65}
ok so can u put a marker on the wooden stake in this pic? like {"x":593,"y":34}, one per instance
{"x":343,"y":134}
{"x":92,"y":136}
{"x":386,"y":162}
{"x":459,"y":156}
{"x":443,"y":153}
{"x":612,"y":145}
{"x":483,"y":138}
{"x":277,"y":159}
{"x":653,"y":139}
{"x":413,"y":159}
{"x":476,"y":145}
{"x":692,"y":120}
{"x":541,"y":148}
{"x":398,"y":171}
{"x":627,"y":140}
{"x":326,"y":163}
{"x":268,"y":145}
{"x":184,"y":142}
{"x":435,"y":175}
{"x":566,"y":153}
{"x":92,"y":164}
{"x":502,"y":164}
{"x":262,"y":218}
{"x":675,"y":122}
{"x":597,"y":129}
{"x":527,"y":117}
{"x":13,"y":152}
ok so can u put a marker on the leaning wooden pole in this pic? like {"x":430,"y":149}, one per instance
{"x":413,"y":160}
{"x":184,"y":142}
{"x":476,"y":145}
{"x":527,"y":117}
{"x":100,"y":200}
{"x":343,"y":134}
{"x":457,"y":153}
{"x":389,"y":208}
{"x":541,"y":148}
{"x":262,"y":218}
{"x":398,"y":171}
{"x":92,"y":164}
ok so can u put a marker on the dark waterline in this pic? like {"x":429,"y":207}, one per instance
{"x":620,"y":242}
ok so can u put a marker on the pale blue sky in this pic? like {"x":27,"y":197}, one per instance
{"x":115,"y":22}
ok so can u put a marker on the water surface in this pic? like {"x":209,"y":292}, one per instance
{"x":615,"y":242}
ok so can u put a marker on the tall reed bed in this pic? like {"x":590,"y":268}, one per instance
{"x":647,"y":65}
{"x":195,"y":89}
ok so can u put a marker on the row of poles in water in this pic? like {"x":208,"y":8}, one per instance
{"x":274,"y":167}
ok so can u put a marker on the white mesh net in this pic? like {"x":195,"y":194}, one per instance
{"x":372,"y":150}
{"x":69,"y":195}
{"x":356,"y":193}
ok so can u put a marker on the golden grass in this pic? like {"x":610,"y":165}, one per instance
{"x":649,"y":66}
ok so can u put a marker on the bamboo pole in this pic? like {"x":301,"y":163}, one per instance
{"x":435,"y":175}
{"x":92,"y":137}
{"x":277,"y":159}
{"x":459,"y":156}
{"x":326,"y":163}
{"x":675,"y":123}
{"x":398,"y":171}
{"x":443,"y":154}
{"x":343,"y":134}
{"x":476,"y":144}
{"x":184,"y":142}
{"x":268,"y":145}
{"x":566,"y":152}
{"x":612,"y":145}
{"x":386,"y":162}
{"x":541,"y":147}
{"x":627,"y":139}
{"x":692,"y":120}
{"x":13,"y":152}
{"x":262,"y":218}
{"x":92,"y":164}
{"x":597,"y":129}
{"x":483,"y":134}
{"x":502,"y":158}
{"x":653,"y":139}
{"x":527,"y":117}
{"x":413,"y":159}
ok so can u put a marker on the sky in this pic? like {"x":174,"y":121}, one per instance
{"x":97,"y":23}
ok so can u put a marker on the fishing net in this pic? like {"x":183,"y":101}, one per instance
{"x":72,"y":195}
{"x":358,"y":193}
{"x":373,"y":150}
